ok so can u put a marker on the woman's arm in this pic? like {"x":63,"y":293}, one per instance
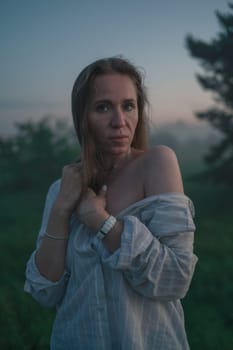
{"x":157,"y":259}
{"x":50,"y":256}
{"x":45,"y":291}
{"x":46,"y":276}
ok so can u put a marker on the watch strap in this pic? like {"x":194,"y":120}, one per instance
{"x":106,"y":227}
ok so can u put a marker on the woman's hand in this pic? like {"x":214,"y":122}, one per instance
{"x":91,"y":210}
{"x":70,"y":189}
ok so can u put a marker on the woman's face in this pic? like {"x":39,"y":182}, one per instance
{"x":113,"y":113}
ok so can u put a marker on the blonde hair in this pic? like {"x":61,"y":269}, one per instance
{"x":91,"y":160}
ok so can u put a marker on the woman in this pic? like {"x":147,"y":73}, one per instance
{"x":115,"y":251}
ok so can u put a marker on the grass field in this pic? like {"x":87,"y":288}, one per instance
{"x":25,"y":325}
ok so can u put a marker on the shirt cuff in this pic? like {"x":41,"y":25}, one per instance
{"x":35,"y":281}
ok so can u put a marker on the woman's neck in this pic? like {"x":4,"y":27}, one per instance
{"x":112,"y":162}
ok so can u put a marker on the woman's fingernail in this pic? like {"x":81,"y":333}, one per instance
{"x":104,"y":188}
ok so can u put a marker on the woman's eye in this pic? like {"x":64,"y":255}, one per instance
{"x":101,"y":108}
{"x":128,"y":107}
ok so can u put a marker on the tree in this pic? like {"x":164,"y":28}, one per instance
{"x":216,"y":59}
{"x":34,"y":156}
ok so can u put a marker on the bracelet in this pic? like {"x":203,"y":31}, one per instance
{"x":106,"y":227}
{"x":55,"y":237}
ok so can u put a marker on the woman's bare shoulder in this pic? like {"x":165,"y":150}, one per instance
{"x":159,"y":152}
{"x":161,"y":171}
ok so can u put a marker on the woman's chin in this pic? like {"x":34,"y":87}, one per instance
{"x":119,"y":151}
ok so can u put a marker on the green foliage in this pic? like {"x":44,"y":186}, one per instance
{"x":36,"y":154}
{"x":216,"y":59}
{"x":24,"y":324}
{"x":208,"y":305}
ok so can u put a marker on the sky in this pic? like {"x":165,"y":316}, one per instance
{"x":46,"y":43}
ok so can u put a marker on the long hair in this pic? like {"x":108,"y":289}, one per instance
{"x":91,"y":164}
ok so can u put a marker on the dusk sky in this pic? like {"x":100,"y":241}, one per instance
{"x":45,"y":44}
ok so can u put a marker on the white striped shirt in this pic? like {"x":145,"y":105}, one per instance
{"x":128,"y":300}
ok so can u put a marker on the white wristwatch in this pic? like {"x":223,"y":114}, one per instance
{"x":106,"y":227}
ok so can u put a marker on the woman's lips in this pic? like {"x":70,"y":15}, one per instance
{"x":119,"y":140}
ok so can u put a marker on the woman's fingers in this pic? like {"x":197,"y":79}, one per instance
{"x":103,"y":191}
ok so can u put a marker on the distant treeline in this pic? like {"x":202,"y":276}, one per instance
{"x":34,"y":156}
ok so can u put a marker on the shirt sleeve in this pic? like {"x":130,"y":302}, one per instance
{"x":46,"y":292}
{"x":156,"y":252}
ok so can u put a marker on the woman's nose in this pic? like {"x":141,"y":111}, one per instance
{"x":118,"y":118}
